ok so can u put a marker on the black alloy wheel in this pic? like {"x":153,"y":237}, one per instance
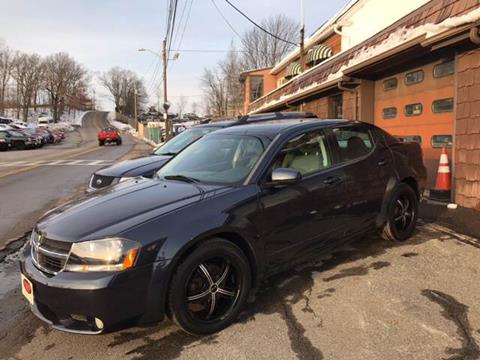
{"x":209,"y":287}
{"x":402,"y":214}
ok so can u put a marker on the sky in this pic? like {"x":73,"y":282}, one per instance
{"x":101,"y":34}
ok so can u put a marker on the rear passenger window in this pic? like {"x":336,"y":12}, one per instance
{"x":306,"y":153}
{"x":353,"y":143}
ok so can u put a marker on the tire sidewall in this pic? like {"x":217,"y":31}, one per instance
{"x":401,"y":190}
{"x":177,"y":295}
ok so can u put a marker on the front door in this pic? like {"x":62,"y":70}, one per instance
{"x":300,"y":217}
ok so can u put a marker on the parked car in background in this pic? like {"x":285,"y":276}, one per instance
{"x":4,"y":120}
{"x":5,"y":127}
{"x":109,"y":135}
{"x":236,"y":206}
{"x":148,"y":165}
{"x":5,"y":142}
{"x":44,"y":119}
{"x":33,"y":136}
{"x":18,"y":140}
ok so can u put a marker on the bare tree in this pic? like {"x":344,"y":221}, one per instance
{"x":27,"y":71}
{"x":6,"y":65}
{"x":181,"y":105}
{"x":221,"y":86}
{"x":194,"y":107}
{"x":231,"y":68}
{"x":213,"y":85}
{"x":62,"y":76}
{"x":121,"y":84}
{"x":262,"y":50}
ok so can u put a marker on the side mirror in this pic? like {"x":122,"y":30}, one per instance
{"x":284,"y":176}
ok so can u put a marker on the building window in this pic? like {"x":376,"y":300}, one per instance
{"x":442,"y":105}
{"x":439,"y":141}
{"x":390,"y":84}
{"x":390,"y":113}
{"x":444,"y":69}
{"x":256,"y":87}
{"x":336,"y":106}
{"x":410,"y":138}
{"x":413,"y":109}
{"x":414,"y":77}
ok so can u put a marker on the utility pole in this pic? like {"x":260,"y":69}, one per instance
{"x":135,"y":104}
{"x":165,"y":97}
{"x":302,"y":37}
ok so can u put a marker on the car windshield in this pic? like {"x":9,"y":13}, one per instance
{"x":182,"y":140}
{"x":220,"y":159}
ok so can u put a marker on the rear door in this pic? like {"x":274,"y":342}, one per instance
{"x":367,"y":166}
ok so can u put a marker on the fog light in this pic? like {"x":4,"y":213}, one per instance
{"x":99,"y":323}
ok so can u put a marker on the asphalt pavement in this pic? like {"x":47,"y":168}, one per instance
{"x":32,"y":181}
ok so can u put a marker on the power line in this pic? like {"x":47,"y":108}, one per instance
{"x":207,"y":50}
{"x":225,"y":19}
{"x":258,"y":26}
{"x":179,"y":45}
{"x":172,"y":27}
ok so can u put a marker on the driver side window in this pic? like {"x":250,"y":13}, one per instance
{"x":307,"y":153}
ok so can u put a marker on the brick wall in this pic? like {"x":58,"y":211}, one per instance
{"x":349,"y":105}
{"x":467,"y":130}
{"x":318,"y":107}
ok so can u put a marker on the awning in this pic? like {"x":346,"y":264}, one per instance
{"x":319,"y":53}
{"x":293,"y":69}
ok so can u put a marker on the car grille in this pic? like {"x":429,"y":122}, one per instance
{"x":49,"y":255}
{"x":99,"y":181}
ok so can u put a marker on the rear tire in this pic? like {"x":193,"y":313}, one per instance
{"x":217,"y":272}
{"x":119,"y":142}
{"x":402,"y":214}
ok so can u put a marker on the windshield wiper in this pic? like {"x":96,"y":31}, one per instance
{"x":170,"y":153}
{"x":181,"y":178}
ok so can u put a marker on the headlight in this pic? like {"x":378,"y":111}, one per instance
{"x":113,"y":254}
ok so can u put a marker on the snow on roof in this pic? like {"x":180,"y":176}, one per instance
{"x":395,"y":39}
{"x":313,"y":39}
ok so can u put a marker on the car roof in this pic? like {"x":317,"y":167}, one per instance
{"x":274,"y":127}
{"x":259,"y":118}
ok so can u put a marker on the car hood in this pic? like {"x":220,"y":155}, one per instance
{"x":135,"y":167}
{"x":109,"y":213}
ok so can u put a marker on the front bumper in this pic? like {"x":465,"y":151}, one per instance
{"x":72,"y":301}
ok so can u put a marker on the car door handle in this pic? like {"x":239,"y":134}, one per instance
{"x":332,"y":180}
{"x":383,"y":162}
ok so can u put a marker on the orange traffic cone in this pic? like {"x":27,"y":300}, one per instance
{"x":444,"y":182}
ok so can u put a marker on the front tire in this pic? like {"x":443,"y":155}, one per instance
{"x":101,"y":142}
{"x":209,"y":287}
{"x":402,"y":214}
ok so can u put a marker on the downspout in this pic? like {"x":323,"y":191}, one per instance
{"x":475,"y":35}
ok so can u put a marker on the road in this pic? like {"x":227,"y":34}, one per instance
{"x":31,"y":181}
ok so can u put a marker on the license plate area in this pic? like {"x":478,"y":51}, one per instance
{"x":27,"y":288}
